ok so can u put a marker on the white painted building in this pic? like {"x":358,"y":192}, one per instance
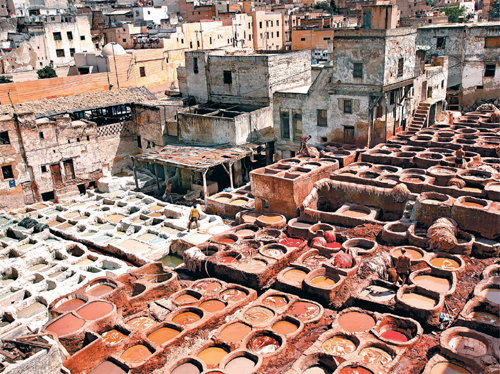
{"x":151,"y":14}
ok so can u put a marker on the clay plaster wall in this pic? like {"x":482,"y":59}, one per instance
{"x":400,"y":43}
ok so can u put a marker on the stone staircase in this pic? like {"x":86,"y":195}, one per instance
{"x":420,"y":119}
{"x":63,"y":193}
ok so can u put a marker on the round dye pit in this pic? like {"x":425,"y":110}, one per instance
{"x":395,"y":336}
{"x":291,"y":242}
{"x":468,"y":346}
{"x":275,"y":301}
{"x":95,"y":310}
{"x":252,"y":265}
{"x":314,"y":261}
{"x":222,"y":199}
{"x":432,"y":282}
{"x":207,"y":287}
{"x":485,"y":317}
{"x":472,"y":204}
{"x":355,"y":212}
{"x":356,"y":321}
{"x":107,"y":367}
{"x":163,"y":335}
{"x":263,"y":344}
{"x":70,"y":305}
{"x":304,"y":310}
{"x":135,"y":355}
{"x":380,"y":293}
{"x":65,"y":325}
{"x":355,"y":370}
{"x":212,"y":355}
{"x":284,"y":327}
{"x":323,"y":281}
{"x":226,"y":241}
{"x":99,"y":290}
{"x":212,"y":306}
{"x":448,"y":368}
{"x":258,"y":315}
{"x":375,"y":355}
{"x":445,"y":263}
{"x":245,"y":232}
{"x":240,"y":365}
{"x":141,"y":323}
{"x":115,"y":218}
{"x":492,"y":295}
{"x":249,"y":217}
{"x":418,"y":300}
{"x":186,"y":368}
{"x":186,"y":299}
{"x":294,"y":276}
{"x":113,"y":336}
{"x":270,"y":219}
{"x":413,"y":254}
{"x":273,"y":251}
{"x":338,"y":346}
{"x":317,"y":369}
{"x":239,"y":202}
{"x":235,"y":332}
{"x":186,"y":318}
{"x":232,"y":295}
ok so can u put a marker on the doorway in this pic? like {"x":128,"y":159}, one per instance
{"x":55,"y":170}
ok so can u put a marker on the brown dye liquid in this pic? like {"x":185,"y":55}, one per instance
{"x":222,"y":199}
{"x":207,"y":287}
{"x":492,"y":295}
{"x":304,"y":311}
{"x":302,"y":225}
{"x":115,"y":218}
{"x":107,"y":367}
{"x":113,"y":336}
{"x":294,"y":276}
{"x":135,"y":354}
{"x":263,"y":344}
{"x":239,"y":365}
{"x":275,"y":301}
{"x":284,"y":327}
{"x":100,"y":290}
{"x":445,"y":263}
{"x":323,"y":281}
{"x":245,"y":232}
{"x":238,"y":202}
{"x":186,"y":299}
{"x":356,"y":321}
{"x":465,"y":345}
{"x":417,"y":300}
{"x":212,"y":306}
{"x":235,"y":332}
{"x":95,"y":310}
{"x":186,"y":318}
{"x":250,"y":217}
{"x":258,"y":314}
{"x":431,"y":282}
{"x":355,"y":213}
{"x":270,"y":219}
{"x":65,"y":325}
{"x":163,"y":335}
{"x":187,"y":368}
{"x":484,"y":317}
{"x":141,"y":323}
{"x":448,"y":368}
{"x":355,"y":370}
{"x":411,"y":253}
{"x":471,"y":204}
{"x":338,"y":346}
{"x":232,"y":295}
{"x":155,"y":214}
{"x":212,"y":355}
{"x":374,"y":355}
{"x":70,"y":305}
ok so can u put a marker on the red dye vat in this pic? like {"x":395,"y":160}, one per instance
{"x":100,"y":290}
{"x":263,"y":344}
{"x":304,"y":311}
{"x":333,"y":245}
{"x":318,"y":242}
{"x":395,"y":336}
{"x":330,"y":236}
{"x":135,"y":355}
{"x":343,"y":260}
{"x":226,"y":241}
{"x":65,"y":325}
{"x":291,"y":242}
{"x":228,"y":259}
{"x":95,"y":310}
{"x":70,"y":305}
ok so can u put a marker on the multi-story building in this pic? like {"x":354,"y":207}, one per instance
{"x":147,"y":15}
{"x":268,"y":30}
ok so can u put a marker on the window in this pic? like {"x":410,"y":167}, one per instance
{"x":70,"y":35}
{"x":492,"y":42}
{"x":321,"y":118}
{"x":357,"y":71}
{"x":139,"y":141}
{"x":260,"y":24}
{"x":71,"y":52}
{"x":401,"y":62}
{"x":348,"y":106}
{"x":285,"y":124}
{"x":277,"y":22}
{"x":57,"y":35}
{"x":190,"y":44}
{"x":40,"y":135}
{"x":297,"y":124}
{"x":441,"y":42}
{"x":489,"y":70}
{"x":124,"y":40}
{"x":142,"y":71}
{"x":391,"y":98}
{"x":82,"y":37}
{"x":228,"y":77}
{"x":7,"y":172}
{"x":326,"y":38}
{"x":198,"y":44}
{"x":60,"y":52}
{"x":277,"y":34}
{"x":302,"y":39}
{"x":44,"y":168}
{"x":4,"y":138}
{"x":195,"y":65}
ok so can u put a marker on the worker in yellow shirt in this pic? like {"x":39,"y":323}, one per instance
{"x":194,"y":215}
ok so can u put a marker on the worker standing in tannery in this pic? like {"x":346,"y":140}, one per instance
{"x":459,"y":157}
{"x":194,"y":215}
{"x":402,"y":267}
